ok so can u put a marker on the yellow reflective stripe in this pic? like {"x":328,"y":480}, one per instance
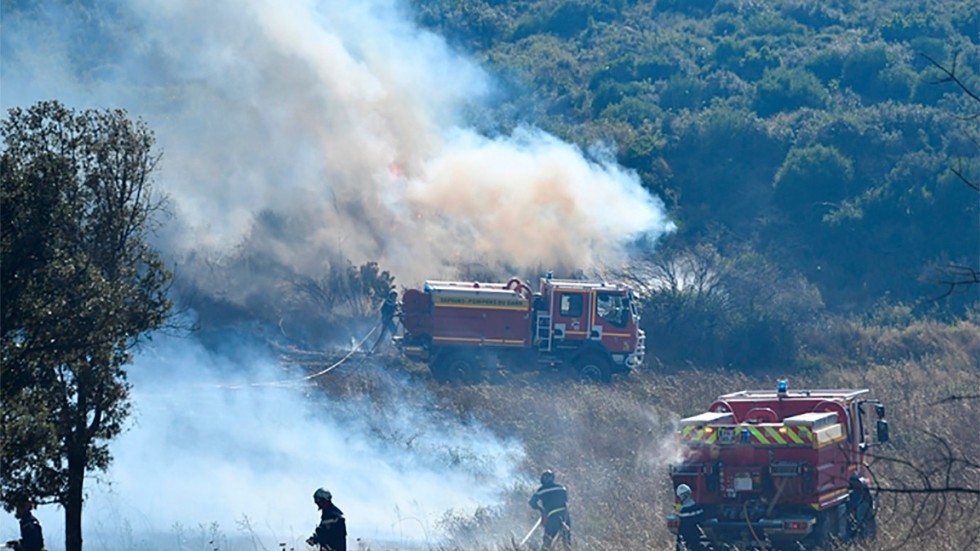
{"x":692,"y":433}
{"x":791,"y":432}
{"x":774,"y":434}
{"x":553,"y":511}
{"x":761,"y":435}
{"x":829,"y":442}
{"x":830,"y":496}
{"x":806,"y":434}
{"x":479,"y":340}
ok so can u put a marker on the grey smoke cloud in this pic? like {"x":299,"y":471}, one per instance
{"x":210,"y":442}
{"x":342,"y":122}
{"x":344,"y":119}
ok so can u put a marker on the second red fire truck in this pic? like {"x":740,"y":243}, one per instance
{"x":781,"y":469}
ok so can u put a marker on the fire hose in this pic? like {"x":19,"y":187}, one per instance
{"x":748,"y":522}
{"x":311,"y":376}
{"x":533,"y":528}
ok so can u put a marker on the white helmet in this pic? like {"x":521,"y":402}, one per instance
{"x":322,"y":495}
{"x":683,"y":490}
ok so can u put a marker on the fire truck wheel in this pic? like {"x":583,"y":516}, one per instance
{"x":593,"y":367}
{"x":455,"y":366}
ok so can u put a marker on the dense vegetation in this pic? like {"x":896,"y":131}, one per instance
{"x":815,"y":136}
{"x":822,"y":172}
{"x":818,"y":161}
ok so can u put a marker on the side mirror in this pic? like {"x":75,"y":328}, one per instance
{"x":882,"y":431}
{"x":880,"y":410}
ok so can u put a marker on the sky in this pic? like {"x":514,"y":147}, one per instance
{"x":308,"y":133}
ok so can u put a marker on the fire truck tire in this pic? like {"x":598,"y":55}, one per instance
{"x":827,"y":532}
{"x":455,"y":366}
{"x":593,"y":367}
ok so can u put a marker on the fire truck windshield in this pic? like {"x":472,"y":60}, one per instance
{"x":612,"y":308}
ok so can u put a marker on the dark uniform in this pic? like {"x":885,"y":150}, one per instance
{"x":388,"y":309}
{"x":331,"y":533}
{"x":689,"y":532}
{"x":31,"y":535}
{"x":551,"y":500}
{"x":860,"y":509}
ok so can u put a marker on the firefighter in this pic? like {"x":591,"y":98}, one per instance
{"x":31,"y":535}
{"x":388,"y":310}
{"x":860,"y":509}
{"x":691,"y":515}
{"x":331,"y":533}
{"x":551,"y":500}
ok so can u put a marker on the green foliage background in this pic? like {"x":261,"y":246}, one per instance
{"x":817,"y":135}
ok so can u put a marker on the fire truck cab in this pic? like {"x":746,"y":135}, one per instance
{"x":781,"y":469}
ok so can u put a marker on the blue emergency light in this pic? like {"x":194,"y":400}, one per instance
{"x":781,"y":387}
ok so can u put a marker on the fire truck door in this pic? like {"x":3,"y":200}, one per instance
{"x":571,"y":313}
{"x":611,"y":319}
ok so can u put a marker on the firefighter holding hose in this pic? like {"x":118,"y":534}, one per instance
{"x":389,"y":308}
{"x":551,"y":500}
{"x":691,"y":515}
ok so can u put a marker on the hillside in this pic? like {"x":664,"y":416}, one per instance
{"x":790,"y":188}
{"x":819,"y":137}
{"x":612,"y":444}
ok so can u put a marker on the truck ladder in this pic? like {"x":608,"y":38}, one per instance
{"x":543,"y":333}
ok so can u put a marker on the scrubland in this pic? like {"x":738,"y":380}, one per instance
{"x":612,"y":444}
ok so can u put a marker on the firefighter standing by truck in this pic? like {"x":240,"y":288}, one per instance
{"x":691,"y":516}
{"x":388,"y":310}
{"x":551,"y":500}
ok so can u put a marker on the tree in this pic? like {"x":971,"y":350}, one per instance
{"x":955,"y":276}
{"x":811,"y":178}
{"x":81,"y":288}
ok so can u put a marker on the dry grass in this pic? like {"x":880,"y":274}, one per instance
{"x":612,"y":444}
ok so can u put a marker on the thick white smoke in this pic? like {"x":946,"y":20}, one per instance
{"x":341,"y":118}
{"x":211,"y":444}
{"x":305,"y":131}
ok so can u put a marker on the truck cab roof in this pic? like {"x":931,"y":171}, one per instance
{"x":763,"y":395}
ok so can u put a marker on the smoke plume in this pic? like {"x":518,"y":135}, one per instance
{"x":303,"y":133}
{"x":214,"y":451}
{"x":339,"y":121}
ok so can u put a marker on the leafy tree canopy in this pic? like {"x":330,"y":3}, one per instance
{"x":81,"y":286}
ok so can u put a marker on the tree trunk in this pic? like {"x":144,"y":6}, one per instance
{"x":73,"y":498}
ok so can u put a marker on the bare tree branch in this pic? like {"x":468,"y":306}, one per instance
{"x":951,"y":77}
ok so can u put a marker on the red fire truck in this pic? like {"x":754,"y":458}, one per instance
{"x":781,"y":469}
{"x":460,"y":329}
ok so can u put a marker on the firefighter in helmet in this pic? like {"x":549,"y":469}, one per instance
{"x":691,"y":515}
{"x":388,"y":310}
{"x":31,"y":535}
{"x":331,"y":533}
{"x":551,"y":500}
{"x":860,"y":509}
